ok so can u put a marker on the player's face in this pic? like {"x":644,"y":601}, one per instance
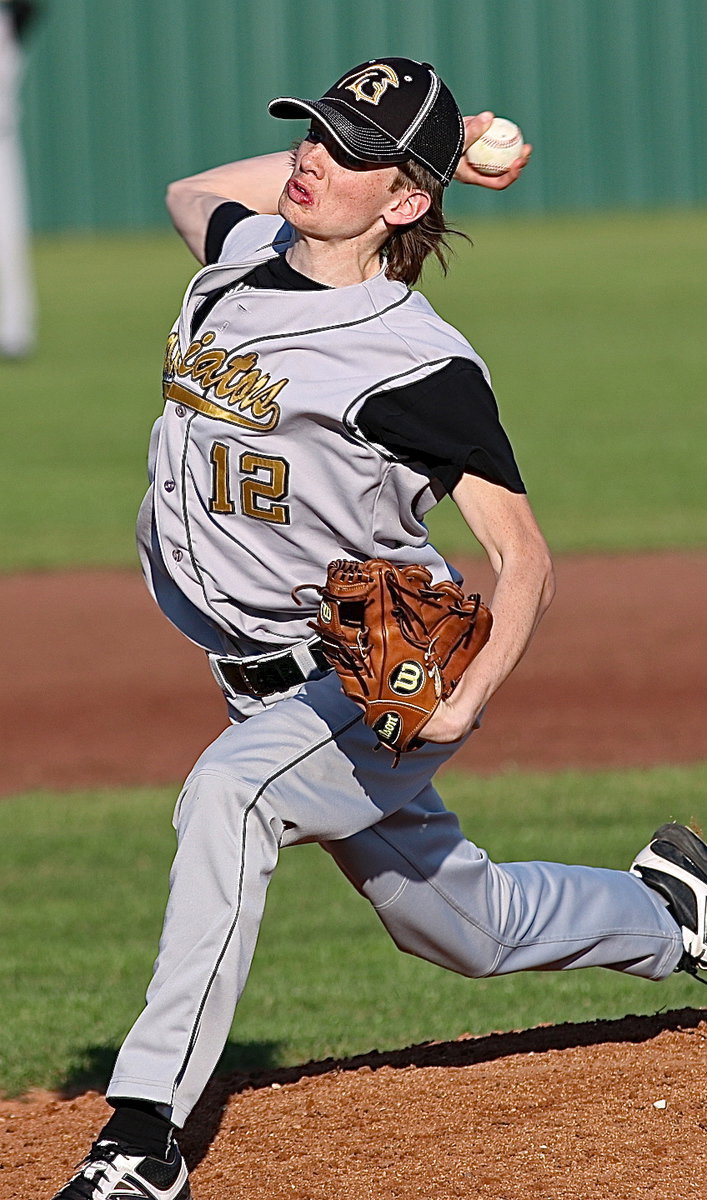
{"x":333,"y":196}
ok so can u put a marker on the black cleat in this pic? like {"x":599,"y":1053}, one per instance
{"x":113,"y":1172}
{"x":674,"y":863}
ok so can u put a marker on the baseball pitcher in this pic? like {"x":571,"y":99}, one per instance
{"x":315,"y":409}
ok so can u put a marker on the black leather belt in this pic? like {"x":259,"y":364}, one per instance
{"x":268,"y":673}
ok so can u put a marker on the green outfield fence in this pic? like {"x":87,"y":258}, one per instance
{"x":121,"y":96}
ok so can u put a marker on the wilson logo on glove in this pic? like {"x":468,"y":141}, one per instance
{"x":407,"y":678}
{"x":398,"y":642}
{"x":387,"y":728}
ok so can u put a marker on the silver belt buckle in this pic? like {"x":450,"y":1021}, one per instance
{"x":215,"y":664}
{"x":300,"y":653}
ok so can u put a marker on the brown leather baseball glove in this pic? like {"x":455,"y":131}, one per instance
{"x":398,"y":643}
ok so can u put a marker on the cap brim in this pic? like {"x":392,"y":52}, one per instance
{"x":361,"y":141}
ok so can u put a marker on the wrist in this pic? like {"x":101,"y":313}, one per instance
{"x":465,"y":705}
{"x":463,"y":722}
{"x":451,"y":722}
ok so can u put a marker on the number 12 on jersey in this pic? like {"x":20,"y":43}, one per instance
{"x":263,"y":481}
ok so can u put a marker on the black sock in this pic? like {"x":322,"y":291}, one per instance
{"x":138,"y":1125}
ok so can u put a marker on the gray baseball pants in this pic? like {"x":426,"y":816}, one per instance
{"x":305,"y":769}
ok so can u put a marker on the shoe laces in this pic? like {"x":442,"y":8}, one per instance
{"x":100,"y":1157}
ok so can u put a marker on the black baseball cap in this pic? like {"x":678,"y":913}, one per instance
{"x":388,"y":110}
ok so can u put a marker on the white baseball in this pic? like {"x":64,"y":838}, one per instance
{"x":495,"y":150}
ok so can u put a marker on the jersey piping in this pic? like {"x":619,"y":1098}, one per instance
{"x":315,"y":329}
{"x":379,"y":386}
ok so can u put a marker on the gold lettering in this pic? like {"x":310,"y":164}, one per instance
{"x":171,"y":354}
{"x":184,"y":367}
{"x":265,"y":401}
{"x":379,"y":76}
{"x":198,"y":403}
{"x":235,"y":379}
{"x":225,"y":381}
{"x":226,"y":389}
{"x":258,"y":495}
{"x":206,"y":366}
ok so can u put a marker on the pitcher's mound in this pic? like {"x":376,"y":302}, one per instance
{"x":611,"y":1110}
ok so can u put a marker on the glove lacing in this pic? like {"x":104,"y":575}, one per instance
{"x":408,"y":615}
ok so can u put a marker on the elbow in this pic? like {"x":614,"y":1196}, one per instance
{"x":540,"y":572}
{"x":547,"y":580}
{"x":173,"y":197}
{"x":187,"y":217}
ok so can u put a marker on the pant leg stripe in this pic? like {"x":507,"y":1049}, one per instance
{"x":239,"y":895}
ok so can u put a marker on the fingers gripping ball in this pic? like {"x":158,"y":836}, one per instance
{"x":398,"y":643}
{"x":495,"y":150}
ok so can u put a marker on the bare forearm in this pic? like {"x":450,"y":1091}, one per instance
{"x":255,"y":182}
{"x":506,"y":528}
{"x":524,"y":590}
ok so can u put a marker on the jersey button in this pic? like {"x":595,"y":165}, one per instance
{"x":181,"y":410}
{"x":169,"y":485}
{"x":177,"y":555}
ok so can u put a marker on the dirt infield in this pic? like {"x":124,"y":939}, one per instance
{"x":105,"y":691}
{"x":99,"y":690}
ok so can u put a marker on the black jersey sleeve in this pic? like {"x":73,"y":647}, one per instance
{"x":449,"y":422}
{"x":221,"y":222}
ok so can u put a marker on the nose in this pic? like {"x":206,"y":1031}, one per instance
{"x":313,"y":156}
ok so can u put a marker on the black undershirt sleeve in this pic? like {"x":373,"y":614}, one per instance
{"x":449,"y":422}
{"x":221,"y":222}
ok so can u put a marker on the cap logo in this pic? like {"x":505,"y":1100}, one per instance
{"x":371,"y":83}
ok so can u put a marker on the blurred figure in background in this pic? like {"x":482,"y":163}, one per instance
{"x":17,"y":299}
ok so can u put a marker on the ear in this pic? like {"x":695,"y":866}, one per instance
{"x":407,"y":206}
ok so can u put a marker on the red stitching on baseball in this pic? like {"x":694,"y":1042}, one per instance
{"x":496,"y":145}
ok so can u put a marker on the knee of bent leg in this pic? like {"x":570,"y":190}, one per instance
{"x":421,"y":922}
{"x":420,"y":917}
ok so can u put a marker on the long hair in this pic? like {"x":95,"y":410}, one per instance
{"x":409,"y":245}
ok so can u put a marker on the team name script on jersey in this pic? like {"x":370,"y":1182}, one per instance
{"x":229,"y":376}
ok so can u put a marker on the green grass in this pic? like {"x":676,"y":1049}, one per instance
{"x":594,"y":332}
{"x":593,"y":328}
{"x":78,"y":414}
{"x":84,"y":883}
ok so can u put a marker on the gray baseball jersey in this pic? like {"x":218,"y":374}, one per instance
{"x":261,"y":474}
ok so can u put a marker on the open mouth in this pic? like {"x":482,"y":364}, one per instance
{"x":298,"y":192}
